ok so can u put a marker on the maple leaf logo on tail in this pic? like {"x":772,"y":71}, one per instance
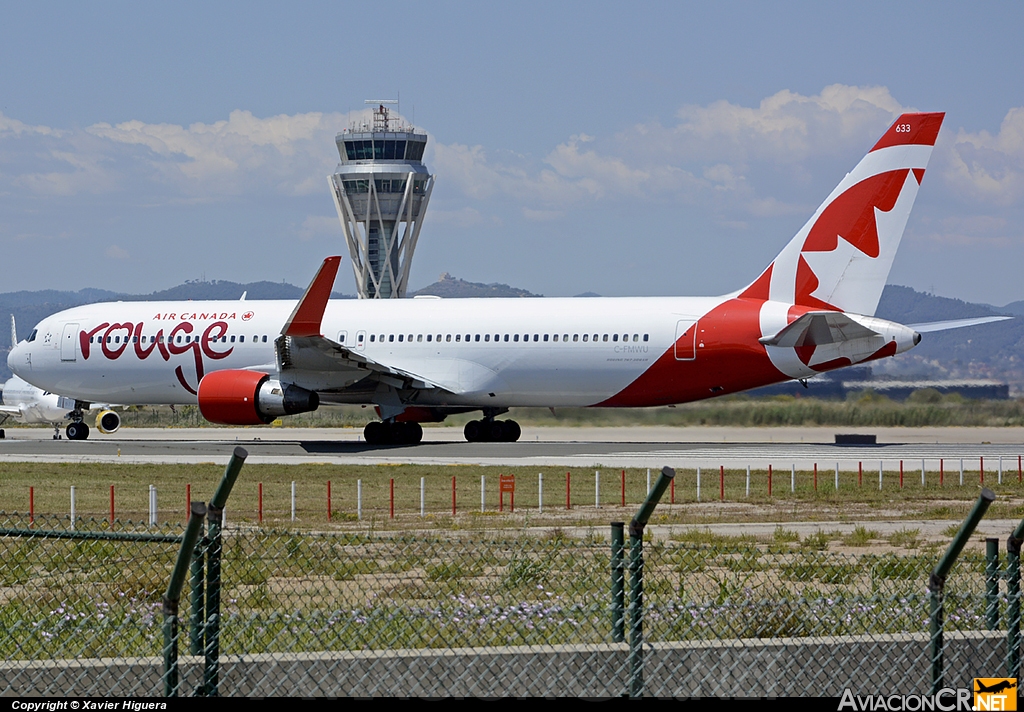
{"x":841,"y":258}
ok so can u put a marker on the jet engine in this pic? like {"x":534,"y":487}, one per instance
{"x":108,"y":421}
{"x":251,"y":398}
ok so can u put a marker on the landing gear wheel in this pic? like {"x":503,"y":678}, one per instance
{"x":77,"y":431}
{"x":492,"y":431}
{"x":474,"y":431}
{"x":375,"y":433}
{"x":413,"y":433}
{"x":512,"y":431}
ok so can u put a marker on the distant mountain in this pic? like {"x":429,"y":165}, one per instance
{"x":987,"y":351}
{"x":453,"y":287}
{"x":1015,"y":308}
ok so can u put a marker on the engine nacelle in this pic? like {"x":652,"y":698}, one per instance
{"x":251,"y":398}
{"x":108,"y":421}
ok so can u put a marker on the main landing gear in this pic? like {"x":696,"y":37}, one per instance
{"x":77,"y":431}
{"x":392,"y":433}
{"x":489,"y":430}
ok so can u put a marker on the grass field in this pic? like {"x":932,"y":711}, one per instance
{"x":857,"y":499}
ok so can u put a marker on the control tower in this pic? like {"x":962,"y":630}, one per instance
{"x":381,"y":192}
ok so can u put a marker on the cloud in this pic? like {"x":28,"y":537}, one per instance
{"x":116,"y":253}
{"x":316,"y":225}
{"x":461,"y":218}
{"x":543,"y":215}
{"x":734,"y":156}
{"x":969,"y":230}
{"x":989,"y":168}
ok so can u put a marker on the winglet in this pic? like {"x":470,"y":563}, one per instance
{"x":14,"y":333}
{"x":309,"y":312}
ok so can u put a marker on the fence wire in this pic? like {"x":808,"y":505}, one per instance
{"x":460,"y":613}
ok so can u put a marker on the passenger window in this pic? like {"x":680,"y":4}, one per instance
{"x":232,"y":338}
{"x":595,"y":337}
{"x":585,"y":336}
{"x":467,"y":337}
{"x":506,"y":337}
{"x":401,"y":337}
{"x":429,"y":337}
{"x":448,"y":338}
{"x":241,"y":339}
{"x":373,"y":337}
{"x":458,"y":337}
{"x":515,"y":337}
{"x":410,"y":338}
{"x":555,"y":337}
{"x":487,"y":337}
{"x":576,"y":337}
{"x":545,"y":337}
{"x":419,"y":337}
{"x":264,"y":338}
{"x":391,"y":338}
{"x":603,"y":339}
{"x":615,"y":337}
{"x":645,"y":337}
{"x":477,"y":338}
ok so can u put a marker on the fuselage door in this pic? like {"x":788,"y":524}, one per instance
{"x":360,"y":340}
{"x":686,"y":339}
{"x":69,"y":343}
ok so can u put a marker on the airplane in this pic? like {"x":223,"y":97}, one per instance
{"x":28,"y":404}
{"x":419,"y":360}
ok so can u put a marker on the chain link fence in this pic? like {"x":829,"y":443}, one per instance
{"x":463,"y":613}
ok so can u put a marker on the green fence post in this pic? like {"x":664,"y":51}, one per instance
{"x":618,"y":584}
{"x":992,"y":583}
{"x":173,"y":596}
{"x":636,"y":581}
{"x":937,"y":584}
{"x":215,"y":518}
{"x":1013,"y":544}
{"x":197,"y":601}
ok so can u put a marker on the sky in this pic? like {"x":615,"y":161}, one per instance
{"x":624,"y":149}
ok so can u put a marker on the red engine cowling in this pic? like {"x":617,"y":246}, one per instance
{"x":250,"y":398}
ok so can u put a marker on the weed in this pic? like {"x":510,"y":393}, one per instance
{"x":784,"y":536}
{"x":816,"y":542}
{"x":860,"y":536}
{"x":906,"y":538}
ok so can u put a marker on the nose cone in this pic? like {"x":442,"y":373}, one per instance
{"x":16,"y":359}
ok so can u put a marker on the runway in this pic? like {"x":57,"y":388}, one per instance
{"x":543,"y":447}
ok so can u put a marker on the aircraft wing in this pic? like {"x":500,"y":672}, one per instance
{"x":956,"y":323}
{"x":315,"y":360}
{"x":308,"y":359}
{"x":819,"y":329}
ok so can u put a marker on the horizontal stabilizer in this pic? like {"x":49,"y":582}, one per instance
{"x":956,"y":323}
{"x":819,"y":329}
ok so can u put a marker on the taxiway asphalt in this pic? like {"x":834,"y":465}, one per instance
{"x":573,"y":447}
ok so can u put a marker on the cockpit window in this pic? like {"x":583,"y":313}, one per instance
{"x":32,"y":336}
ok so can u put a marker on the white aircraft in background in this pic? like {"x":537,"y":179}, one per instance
{"x":418,"y":360}
{"x":31,"y":405}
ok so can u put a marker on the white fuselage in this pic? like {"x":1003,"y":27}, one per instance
{"x":549,"y":352}
{"x":31,"y":405}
